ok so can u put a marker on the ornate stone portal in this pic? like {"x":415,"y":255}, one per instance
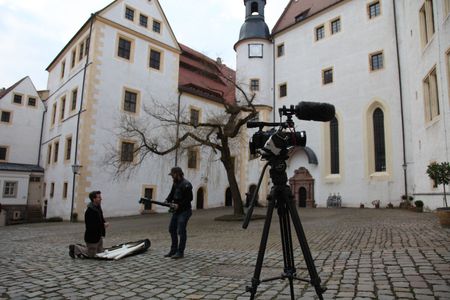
{"x":302,"y":186}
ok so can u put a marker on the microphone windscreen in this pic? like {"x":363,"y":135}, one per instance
{"x":315,"y":111}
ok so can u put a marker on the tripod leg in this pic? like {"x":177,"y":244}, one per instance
{"x":286,"y":242}
{"x":315,"y":279}
{"x":262,"y":248}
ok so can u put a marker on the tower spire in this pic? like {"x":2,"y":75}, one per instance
{"x":254,"y":25}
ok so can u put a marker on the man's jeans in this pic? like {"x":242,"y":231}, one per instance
{"x":178,"y":225}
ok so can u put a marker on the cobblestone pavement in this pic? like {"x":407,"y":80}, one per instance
{"x":358,"y":253}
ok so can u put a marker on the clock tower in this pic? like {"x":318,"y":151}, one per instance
{"x":254,"y":55}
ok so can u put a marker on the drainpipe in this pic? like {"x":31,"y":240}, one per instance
{"x":79,"y":113}
{"x":405,"y":166}
{"x":42,"y":132}
{"x":178,"y":125}
{"x":273,"y":83}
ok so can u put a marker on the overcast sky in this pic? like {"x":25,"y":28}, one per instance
{"x":33,"y":32}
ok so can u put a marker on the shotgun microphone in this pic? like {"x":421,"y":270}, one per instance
{"x":314,"y":111}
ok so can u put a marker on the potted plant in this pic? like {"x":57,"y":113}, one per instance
{"x":361,"y":205}
{"x":406,"y":201}
{"x":419,"y":205}
{"x":376,"y":203}
{"x":440,"y":174}
{"x":390,"y":205}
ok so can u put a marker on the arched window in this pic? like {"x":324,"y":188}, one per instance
{"x":254,"y":8}
{"x":334,"y":146}
{"x":379,"y":140}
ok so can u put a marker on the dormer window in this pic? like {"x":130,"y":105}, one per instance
{"x":302,"y":15}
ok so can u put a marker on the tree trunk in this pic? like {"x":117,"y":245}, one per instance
{"x":238,"y":209}
{"x":445,"y":197}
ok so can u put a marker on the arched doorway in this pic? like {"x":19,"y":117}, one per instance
{"x":228,"y":198}
{"x":303,"y":179}
{"x":249,"y":196}
{"x":200,"y":198}
{"x":302,"y":194}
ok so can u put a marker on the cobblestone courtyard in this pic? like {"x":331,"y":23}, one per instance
{"x":358,"y":253}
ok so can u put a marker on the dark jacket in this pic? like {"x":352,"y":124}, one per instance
{"x":95,"y":224}
{"x":181,"y":194}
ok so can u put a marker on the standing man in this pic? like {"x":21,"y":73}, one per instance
{"x":180,"y":196}
{"x":95,"y":229}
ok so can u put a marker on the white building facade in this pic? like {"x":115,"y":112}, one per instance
{"x":369,"y":59}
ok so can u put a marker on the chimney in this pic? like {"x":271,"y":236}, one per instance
{"x":219,"y":61}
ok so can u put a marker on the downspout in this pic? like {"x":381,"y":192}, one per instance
{"x":178,"y":125}
{"x":273,"y":79}
{"x":42,"y":133}
{"x":80,"y":111}
{"x":405,"y":166}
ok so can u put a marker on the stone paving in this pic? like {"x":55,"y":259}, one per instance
{"x":358,"y":253}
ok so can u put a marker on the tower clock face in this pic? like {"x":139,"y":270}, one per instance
{"x":255,"y":50}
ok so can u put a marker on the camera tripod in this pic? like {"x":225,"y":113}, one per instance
{"x":280,"y":197}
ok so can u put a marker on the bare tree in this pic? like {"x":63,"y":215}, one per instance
{"x":219,"y":132}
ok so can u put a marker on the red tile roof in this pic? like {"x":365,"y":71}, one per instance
{"x":202,"y":76}
{"x":299,"y":10}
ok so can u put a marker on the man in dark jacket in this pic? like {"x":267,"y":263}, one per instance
{"x":95,"y":229}
{"x":180,"y":196}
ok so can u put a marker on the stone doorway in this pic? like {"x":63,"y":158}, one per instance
{"x":228,"y":198}
{"x":302,"y":186}
{"x":200,"y":198}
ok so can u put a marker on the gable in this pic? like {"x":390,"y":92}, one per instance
{"x":151,"y":10}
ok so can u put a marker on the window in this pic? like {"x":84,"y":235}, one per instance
{"x":192,"y":158}
{"x":195,"y":117}
{"x":130,"y":101}
{"x":127,"y":152}
{"x":124,"y":49}
{"x":283,"y":90}
{"x":129,"y":14}
{"x":143,"y":20}
{"x":426,"y":22}
{"x":86,"y":46}
{"x":373,"y":9}
{"x":17,"y":99}
{"x":446,"y":7}
{"x":320,"y":32}
{"x":65,"y":189}
{"x":327,"y":76}
{"x":335,"y":26}
{"x":376,"y":61}
{"x":156,"y":26}
{"x":254,"y":85}
{"x":73,"y":104}
{"x":74,"y":58}
{"x":52,"y":189}
{"x":68,"y":148}
{"x":10,"y":189}
{"x":49,"y":153}
{"x":54,"y":113}
{"x":379,"y":142}
{"x":255,"y":50}
{"x":3,"y":152}
{"x":80,"y":57}
{"x":5,"y":117}
{"x":63,"y":68}
{"x":431,"y":98}
{"x":280,"y":50}
{"x":44,"y":189}
{"x":155,"y":59}
{"x":55,"y":152}
{"x":62,"y":108}
{"x":31,"y":101}
{"x":334,"y":146}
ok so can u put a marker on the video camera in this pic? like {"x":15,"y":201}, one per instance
{"x":275,"y":140}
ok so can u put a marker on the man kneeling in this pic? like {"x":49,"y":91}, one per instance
{"x":95,"y":229}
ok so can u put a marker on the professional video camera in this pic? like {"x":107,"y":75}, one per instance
{"x":273,"y":141}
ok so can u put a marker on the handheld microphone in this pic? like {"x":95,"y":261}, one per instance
{"x":314,"y":111}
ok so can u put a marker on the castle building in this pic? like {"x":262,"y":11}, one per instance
{"x":384,"y":65}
